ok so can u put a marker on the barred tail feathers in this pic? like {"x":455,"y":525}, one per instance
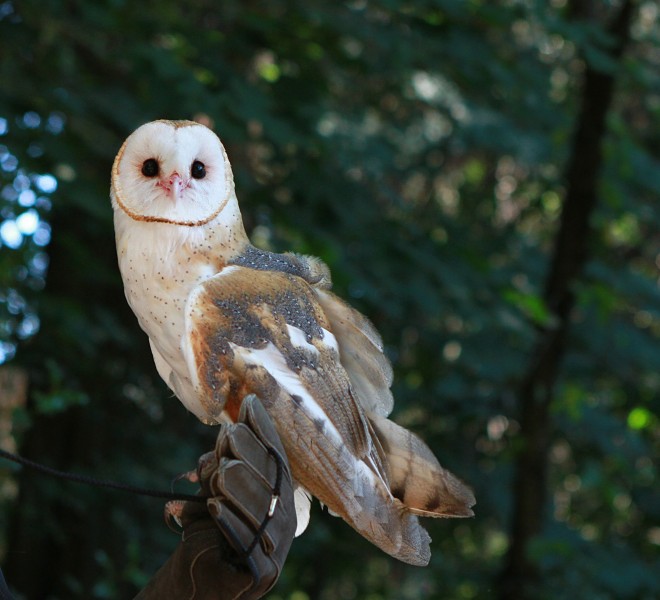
{"x":416,"y":477}
{"x":348,"y":486}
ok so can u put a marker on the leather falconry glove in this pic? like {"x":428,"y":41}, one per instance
{"x":234,"y":547}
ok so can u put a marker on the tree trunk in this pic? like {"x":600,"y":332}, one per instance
{"x":569,"y":257}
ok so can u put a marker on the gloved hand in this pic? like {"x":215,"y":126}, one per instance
{"x":234,"y":546}
{"x":251,"y":495}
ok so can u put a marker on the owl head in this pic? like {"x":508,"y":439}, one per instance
{"x":172,"y":172}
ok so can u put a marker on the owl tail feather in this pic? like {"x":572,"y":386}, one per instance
{"x":383,"y":519}
{"x":415,"y":476}
{"x":355,"y":489}
{"x":383,"y":495}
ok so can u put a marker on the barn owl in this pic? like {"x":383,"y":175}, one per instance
{"x":226,"y":319}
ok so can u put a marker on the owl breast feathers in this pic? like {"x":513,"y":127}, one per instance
{"x":225,"y":319}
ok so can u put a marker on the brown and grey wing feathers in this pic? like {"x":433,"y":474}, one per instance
{"x":361,"y":352}
{"x":416,"y":477}
{"x":265,"y":332}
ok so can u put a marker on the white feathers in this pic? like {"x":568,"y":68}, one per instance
{"x":303,"y":503}
{"x":173,"y":146}
{"x":228,"y":270}
{"x":330,"y":340}
{"x":271,"y":359}
{"x":299,"y":339}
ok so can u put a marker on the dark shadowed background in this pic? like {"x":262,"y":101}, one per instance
{"x":483,"y":180}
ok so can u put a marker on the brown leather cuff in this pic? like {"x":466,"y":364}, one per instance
{"x":203,"y":567}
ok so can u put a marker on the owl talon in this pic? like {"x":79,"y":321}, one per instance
{"x":172,"y":513}
{"x":206,"y":464}
{"x":191,"y":476}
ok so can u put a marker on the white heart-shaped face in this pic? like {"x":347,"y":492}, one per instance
{"x":172,"y":172}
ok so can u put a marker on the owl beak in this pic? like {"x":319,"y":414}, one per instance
{"x":174,"y":185}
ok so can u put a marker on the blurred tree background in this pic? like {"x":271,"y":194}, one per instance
{"x":483,"y":180}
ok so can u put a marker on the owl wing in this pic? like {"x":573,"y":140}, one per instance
{"x":361,"y":354}
{"x":359,"y":344}
{"x":242,"y":322}
{"x":265,"y":332}
{"x":415,"y":476}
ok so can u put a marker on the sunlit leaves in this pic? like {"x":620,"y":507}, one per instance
{"x":531,"y":305}
{"x":640,"y":418}
{"x":24,"y":232}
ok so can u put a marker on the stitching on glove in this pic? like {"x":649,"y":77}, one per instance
{"x":192,"y":568}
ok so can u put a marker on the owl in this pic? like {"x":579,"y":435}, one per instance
{"x":226,"y":319}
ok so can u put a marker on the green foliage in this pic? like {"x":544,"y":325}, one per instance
{"x":416,"y":147}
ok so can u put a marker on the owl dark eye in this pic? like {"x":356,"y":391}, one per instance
{"x":198,"y":170}
{"x":150,"y":167}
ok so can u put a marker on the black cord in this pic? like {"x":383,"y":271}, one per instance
{"x":274,"y":498}
{"x":113,"y":485}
